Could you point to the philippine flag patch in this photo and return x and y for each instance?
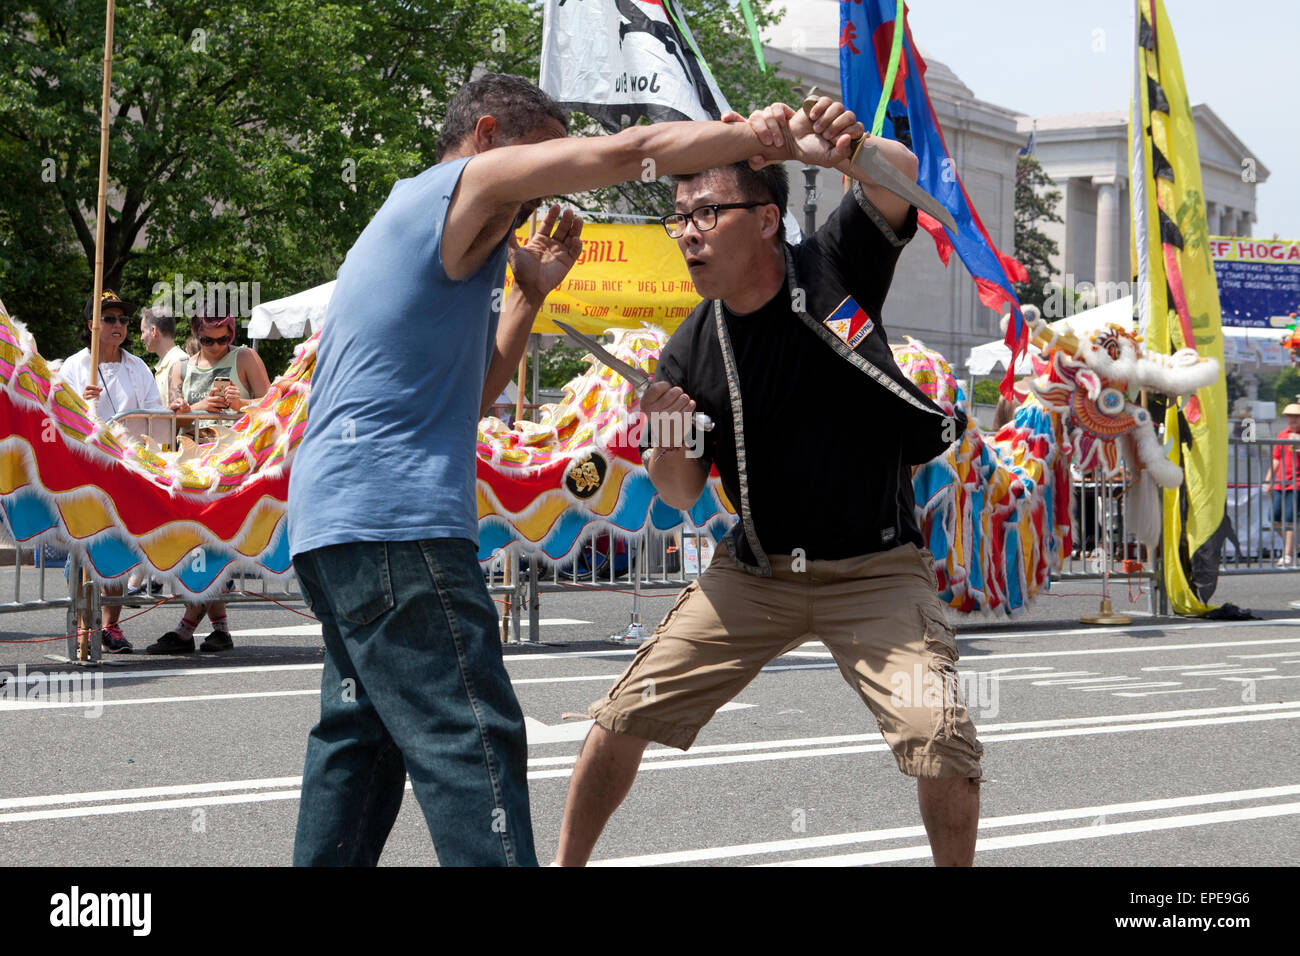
(849, 323)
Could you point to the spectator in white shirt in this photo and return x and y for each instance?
(125, 382)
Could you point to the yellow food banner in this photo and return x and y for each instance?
(626, 275)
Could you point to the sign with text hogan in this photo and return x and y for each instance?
(1259, 279)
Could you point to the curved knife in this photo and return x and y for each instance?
(866, 159)
(639, 379)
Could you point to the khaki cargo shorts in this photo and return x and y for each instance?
(880, 617)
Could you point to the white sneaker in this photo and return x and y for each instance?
(1286, 561)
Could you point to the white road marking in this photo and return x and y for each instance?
(1141, 628)
(659, 759)
(542, 733)
(686, 761)
(1065, 835)
(308, 630)
(289, 630)
(1127, 649)
(218, 670)
(990, 823)
(36, 674)
(38, 704)
(136, 793)
(1251, 680)
(1071, 681)
(1001, 676)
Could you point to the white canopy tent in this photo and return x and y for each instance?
(293, 317)
(1241, 346)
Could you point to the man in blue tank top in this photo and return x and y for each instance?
(382, 513)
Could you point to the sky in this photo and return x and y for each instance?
(1063, 56)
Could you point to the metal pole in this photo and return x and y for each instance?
(101, 208)
(810, 199)
(534, 599)
(101, 216)
(535, 343)
(518, 587)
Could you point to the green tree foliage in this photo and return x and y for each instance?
(985, 392)
(559, 364)
(252, 140)
(1036, 202)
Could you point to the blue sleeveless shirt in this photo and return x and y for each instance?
(389, 450)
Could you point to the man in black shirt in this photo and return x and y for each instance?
(816, 430)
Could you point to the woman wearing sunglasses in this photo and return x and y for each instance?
(124, 384)
(222, 377)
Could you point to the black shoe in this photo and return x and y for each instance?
(171, 643)
(218, 640)
(135, 592)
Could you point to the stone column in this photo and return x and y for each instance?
(1109, 268)
(1214, 218)
(1244, 219)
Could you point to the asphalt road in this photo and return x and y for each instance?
(1164, 742)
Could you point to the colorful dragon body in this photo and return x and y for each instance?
(994, 510)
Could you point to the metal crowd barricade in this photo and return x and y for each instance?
(1258, 542)
(608, 562)
(259, 593)
(1103, 541)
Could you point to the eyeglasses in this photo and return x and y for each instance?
(203, 339)
(705, 217)
(114, 319)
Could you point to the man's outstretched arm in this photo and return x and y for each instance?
(495, 182)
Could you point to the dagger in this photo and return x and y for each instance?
(866, 159)
(639, 380)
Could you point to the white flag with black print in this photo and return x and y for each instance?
(620, 60)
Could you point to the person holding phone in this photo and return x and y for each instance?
(223, 377)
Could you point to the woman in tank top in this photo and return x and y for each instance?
(193, 383)
(196, 391)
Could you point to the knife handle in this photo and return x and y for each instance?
(808, 103)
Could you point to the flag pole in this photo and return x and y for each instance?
(102, 204)
(100, 216)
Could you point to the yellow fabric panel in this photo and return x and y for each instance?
(13, 471)
(535, 527)
(84, 515)
(607, 498)
(259, 528)
(171, 545)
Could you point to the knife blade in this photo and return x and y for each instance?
(867, 159)
(638, 378)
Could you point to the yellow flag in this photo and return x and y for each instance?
(1177, 300)
(626, 275)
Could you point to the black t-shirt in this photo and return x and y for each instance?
(826, 469)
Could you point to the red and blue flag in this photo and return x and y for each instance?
(866, 39)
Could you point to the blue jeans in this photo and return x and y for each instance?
(1284, 510)
(413, 683)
